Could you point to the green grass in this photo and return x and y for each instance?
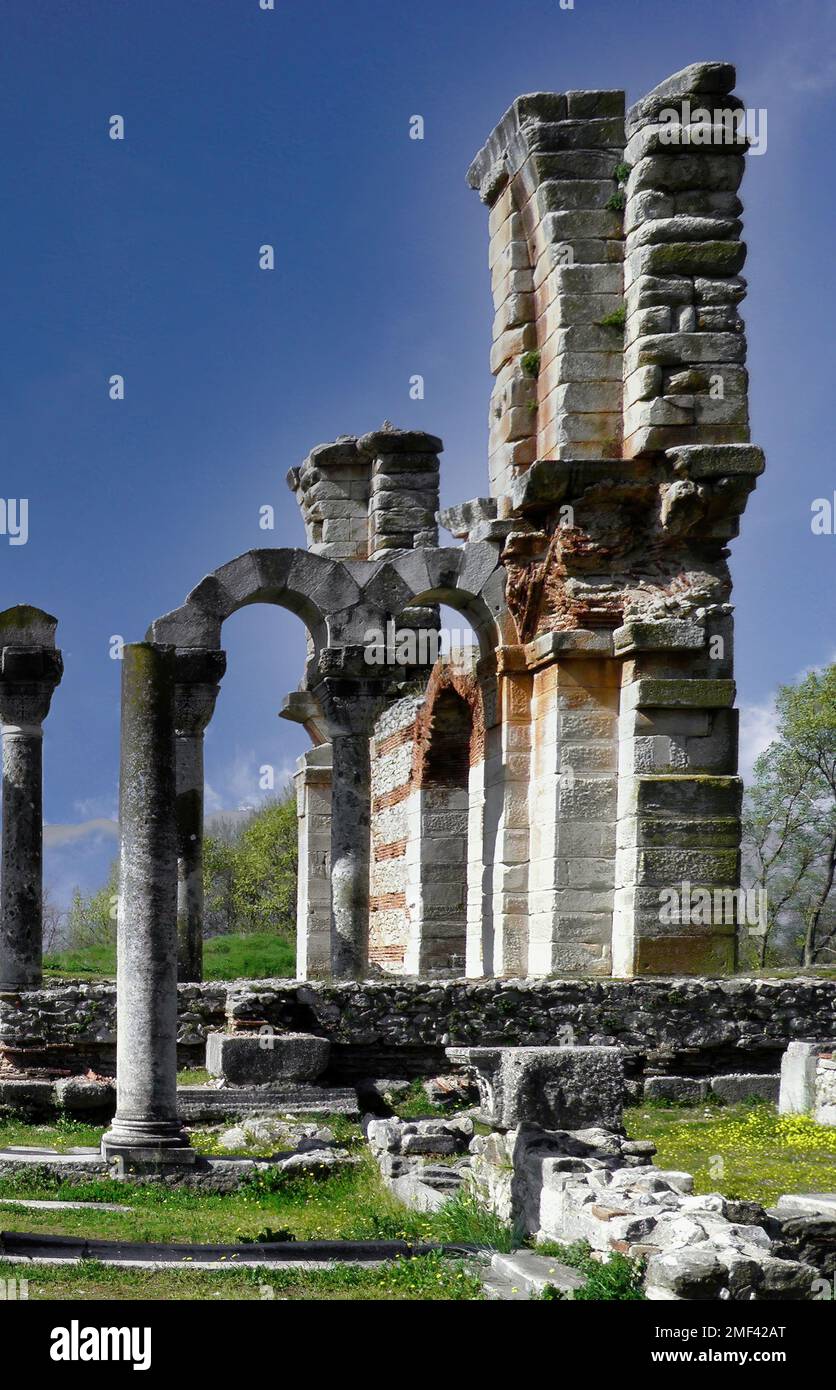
(414, 1105)
(62, 1134)
(193, 1076)
(616, 1279)
(261, 956)
(746, 1150)
(352, 1204)
(425, 1278)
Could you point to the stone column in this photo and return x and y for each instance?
(146, 1128)
(198, 673)
(506, 821)
(351, 693)
(313, 903)
(350, 855)
(30, 669)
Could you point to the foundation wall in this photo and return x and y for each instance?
(682, 1027)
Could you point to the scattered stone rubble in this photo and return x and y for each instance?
(405, 1150)
(293, 1147)
(597, 1186)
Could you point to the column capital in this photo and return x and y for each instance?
(350, 691)
(198, 672)
(28, 677)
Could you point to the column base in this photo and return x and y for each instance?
(148, 1142)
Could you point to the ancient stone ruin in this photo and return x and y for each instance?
(475, 821)
(512, 810)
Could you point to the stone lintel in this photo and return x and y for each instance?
(650, 692)
(564, 645)
(697, 461)
(656, 635)
(550, 482)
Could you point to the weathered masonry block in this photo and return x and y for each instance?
(362, 497)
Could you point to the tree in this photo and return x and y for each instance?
(266, 861)
(91, 921)
(218, 885)
(249, 872)
(779, 851)
(54, 923)
(790, 818)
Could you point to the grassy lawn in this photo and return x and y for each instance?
(260, 956)
(744, 1150)
(351, 1204)
(193, 1076)
(62, 1134)
(426, 1278)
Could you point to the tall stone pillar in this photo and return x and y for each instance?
(350, 854)
(313, 903)
(506, 822)
(198, 674)
(146, 1128)
(30, 669)
(678, 855)
(352, 694)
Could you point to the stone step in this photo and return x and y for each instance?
(196, 1103)
(523, 1269)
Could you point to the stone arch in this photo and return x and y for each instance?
(317, 589)
(468, 578)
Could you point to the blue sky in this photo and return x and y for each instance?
(291, 126)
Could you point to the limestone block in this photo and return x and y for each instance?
(647, 291)
(260, 1059)
(703, 80)
(596, 223)
(683, 1090)
(674, 173)
(797, 1092)
(745, 1085)
(556, 1087)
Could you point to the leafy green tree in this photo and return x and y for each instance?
(790, 821)
(249, 872)
(91, 920)
(266, 858)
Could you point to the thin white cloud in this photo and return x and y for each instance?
(57, 835)
(758, 728)
(98, 807)
(237, 786)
